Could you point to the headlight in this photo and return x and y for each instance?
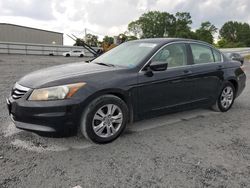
(55, 93)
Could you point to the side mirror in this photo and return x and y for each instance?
(158, 65)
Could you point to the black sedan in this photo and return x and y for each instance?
(135, 80)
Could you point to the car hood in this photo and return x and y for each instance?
(41, 77)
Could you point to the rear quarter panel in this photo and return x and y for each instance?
(234, 73)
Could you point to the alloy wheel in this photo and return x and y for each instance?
(227, 97)
(107, 120)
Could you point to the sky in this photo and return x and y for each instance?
(111, 17)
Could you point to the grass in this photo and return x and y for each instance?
(247, 58)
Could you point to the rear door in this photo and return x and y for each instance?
(207, 71)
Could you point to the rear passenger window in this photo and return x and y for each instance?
(201, 54)
(217, 56)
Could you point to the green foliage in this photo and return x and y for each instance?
(222, 43)
(206, 32)
(226, 44)
(156, 24)
(108, 40)
(162, 24)
(229, 31)
(122, 38)
(134, 28)
(234, 34)
(131, 37)
(247, 57)
(182, 25)
(91, 40)
(153, 24)
(79, 42)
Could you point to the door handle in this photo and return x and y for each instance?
(187, 72)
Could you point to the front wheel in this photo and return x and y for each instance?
(225, 99)
(104, 119)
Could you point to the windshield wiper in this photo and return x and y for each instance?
(105, 64)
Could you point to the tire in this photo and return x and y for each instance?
(107, 127)
(81, 55)
(67, 55)
(226, 98)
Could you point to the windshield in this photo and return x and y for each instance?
(126, 55)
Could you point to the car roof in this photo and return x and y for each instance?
(168, 40)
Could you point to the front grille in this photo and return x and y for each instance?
(18, 91)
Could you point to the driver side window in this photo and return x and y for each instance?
(174, 54)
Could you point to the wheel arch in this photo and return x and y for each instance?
(235, 84)
(123, 95)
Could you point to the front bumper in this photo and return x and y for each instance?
(44, 116)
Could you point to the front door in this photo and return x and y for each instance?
(169, 88)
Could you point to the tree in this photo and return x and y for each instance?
(182, 25)
(134, 28)
(244, 34)
(131, 37)
(229, 31)
(108, 40)
(235, 34)
(153, 24)
(162, 24)
(170, 25)
(206, 32)
(121, 38)
(91, 40)
(79, 42)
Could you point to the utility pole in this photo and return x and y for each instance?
(85, 32)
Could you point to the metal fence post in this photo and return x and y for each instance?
(8, 47)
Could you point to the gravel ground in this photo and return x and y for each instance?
(190, 149)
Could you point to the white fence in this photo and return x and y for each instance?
(43, 49)
(37, 49)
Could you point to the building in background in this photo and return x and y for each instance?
(22, 34)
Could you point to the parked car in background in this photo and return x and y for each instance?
(136, 80)
(235, 56)
(74, 53)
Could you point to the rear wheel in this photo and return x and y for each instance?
(104, 119)
(81, 55)
(225, 99)
(67, 55)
